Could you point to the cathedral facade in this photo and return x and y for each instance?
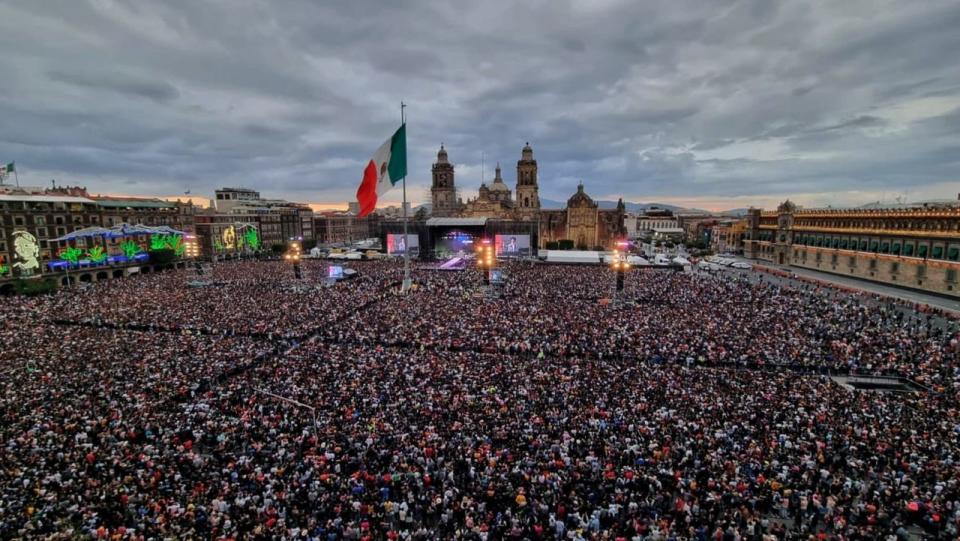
(581, 221)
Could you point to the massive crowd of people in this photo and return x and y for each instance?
(264, 407)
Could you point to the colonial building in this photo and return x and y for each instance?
(495, 201)
(443, 192)
(657, 224)
(916, 246)
(32, 219)
(727, 236)
(278, 221)
(345, 227)
(528, 187)
(583, 222)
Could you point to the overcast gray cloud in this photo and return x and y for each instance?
(712, 104)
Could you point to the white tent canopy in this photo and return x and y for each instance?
(571, 256)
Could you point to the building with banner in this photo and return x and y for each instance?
(236, 210)
(67, 234)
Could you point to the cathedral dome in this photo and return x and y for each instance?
(580, 199)
(498, 184)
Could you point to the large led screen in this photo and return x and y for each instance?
(512, 245)
(396, 245)
(455, 242)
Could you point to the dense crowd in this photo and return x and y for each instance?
(668, 317)
(263, 407)
(246, 298)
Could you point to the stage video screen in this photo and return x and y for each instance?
(396, 245)
(335, 272)
(455, 242)
(512, 245)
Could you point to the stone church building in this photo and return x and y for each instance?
(581, 221)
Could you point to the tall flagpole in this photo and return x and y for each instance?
(15, 175)
(406, 240)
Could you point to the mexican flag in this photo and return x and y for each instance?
(387, 166)
(7, 169)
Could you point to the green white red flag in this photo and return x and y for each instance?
(384, 170)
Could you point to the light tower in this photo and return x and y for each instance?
(620, 264)
(293, 255)
(486, 259)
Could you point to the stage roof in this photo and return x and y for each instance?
(461, 222)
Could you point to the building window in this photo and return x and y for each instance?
(833, 259)
(952, 275)
(873, 264)
(921, 271)
(896, 249)
(18, 220)
(953, 254)
(937, 252)
(908, 250)
(922, 251)
(894, 267)
(853, 261)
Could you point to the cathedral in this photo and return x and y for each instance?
(581, 221)
(494, 201)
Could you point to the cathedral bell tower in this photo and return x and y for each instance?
(443, 192)
(528, 194)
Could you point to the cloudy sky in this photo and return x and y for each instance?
(714, 104)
